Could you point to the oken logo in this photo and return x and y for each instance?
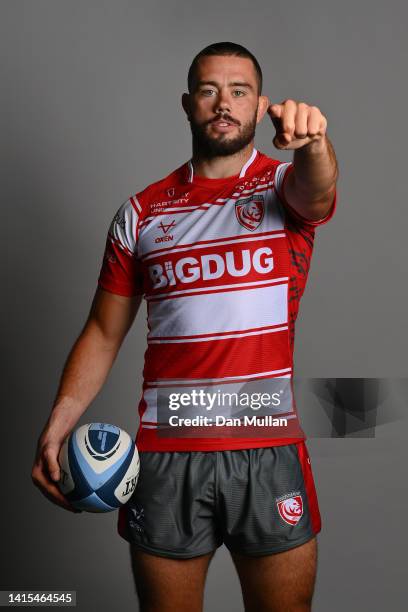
(211, 266)
(165, 228)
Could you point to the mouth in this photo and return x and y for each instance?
(222, 126)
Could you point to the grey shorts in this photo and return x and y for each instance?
(256, 501)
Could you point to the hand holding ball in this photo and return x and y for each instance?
(99, 467)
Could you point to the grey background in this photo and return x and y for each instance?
(90, 113)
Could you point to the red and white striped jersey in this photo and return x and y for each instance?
(222, 264)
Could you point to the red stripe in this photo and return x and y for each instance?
(230, 357)
(217, 291)
(213, 383)
(122, 526)
(121, 246)
(310, 487)
(169, 211)
(148, 440)
(214, 241)
(220, 334)
(135, 206)
(250, 191)
(275, 252)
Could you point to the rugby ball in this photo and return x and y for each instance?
(99, 467)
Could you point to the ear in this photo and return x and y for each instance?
(263, 105)
(185, 102)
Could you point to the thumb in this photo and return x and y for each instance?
(52, 463)
(55, 475)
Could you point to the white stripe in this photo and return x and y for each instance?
(210, 313)
(271, 281)
(123, 226)
(188, 207)
(279, 176)
(248, 163)
(182, 381)
(136, 201)
(252, 382)
(163, 211)
(252, 190)
(216, 222)
(191, 172)
(238, 335)
(238, 194)
(210, 244)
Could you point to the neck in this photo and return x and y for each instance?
(223, 166)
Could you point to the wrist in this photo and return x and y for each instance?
(62, 419)
(54, 433)
(316, 146)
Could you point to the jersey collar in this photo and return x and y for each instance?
(190, 169)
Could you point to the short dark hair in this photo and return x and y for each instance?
(224, 48)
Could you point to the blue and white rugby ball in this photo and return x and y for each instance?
(99, 467)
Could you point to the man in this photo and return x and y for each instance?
(220, 248)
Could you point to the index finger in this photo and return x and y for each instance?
(275, 110)
(276, 114)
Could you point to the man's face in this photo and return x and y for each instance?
(224, 107)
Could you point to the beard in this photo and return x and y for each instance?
(208, 146)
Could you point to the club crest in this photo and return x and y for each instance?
(291, 509)
(250, 211)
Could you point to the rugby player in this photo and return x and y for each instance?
(220, 249)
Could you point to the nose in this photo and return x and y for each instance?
(223, 103)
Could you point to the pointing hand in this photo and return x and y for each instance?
(297, 124)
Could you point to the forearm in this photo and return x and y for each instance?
(315, 170)
(84, 373)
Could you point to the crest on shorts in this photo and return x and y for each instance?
(138, 518)
(250, 211)
(291, 509)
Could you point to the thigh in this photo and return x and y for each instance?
(267, 501)
(282, 582)
(164, 584)
(171, 512)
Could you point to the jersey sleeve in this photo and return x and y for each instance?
(121, 270)
(281, 174)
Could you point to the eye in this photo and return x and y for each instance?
(239, 91)
(206, 92)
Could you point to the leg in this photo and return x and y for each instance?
(282, 582)
(271, 518)
(165, 584)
